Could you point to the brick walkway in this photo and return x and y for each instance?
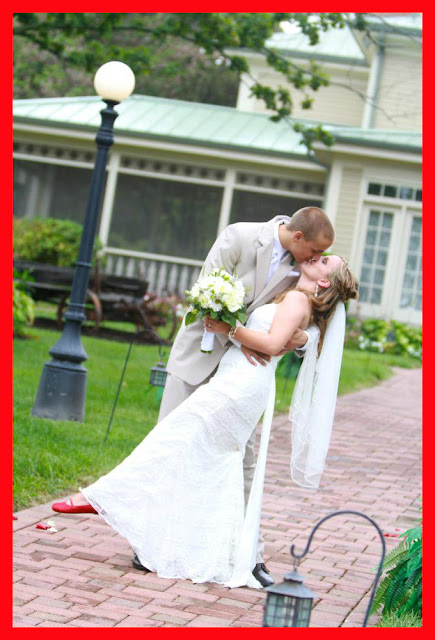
(82, 576)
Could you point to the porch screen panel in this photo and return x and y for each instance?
(25, 176)
(411, 294)
(377, 244)
(249, 206)
(47, 190)
(164, 217)
(70, 193)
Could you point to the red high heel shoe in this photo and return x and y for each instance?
(69, 507)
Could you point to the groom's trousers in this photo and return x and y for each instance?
(175, 392)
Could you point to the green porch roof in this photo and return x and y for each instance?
(388, 138)
(196, 123)
(171, 120)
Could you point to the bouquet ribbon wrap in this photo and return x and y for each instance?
(207, 341)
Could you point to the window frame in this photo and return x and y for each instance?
(403, 211)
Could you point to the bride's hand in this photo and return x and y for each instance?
(216, 326)
(298, 340)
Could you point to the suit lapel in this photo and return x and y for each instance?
(279, 281)
(264, 254)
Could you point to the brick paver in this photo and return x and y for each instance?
(82, 576)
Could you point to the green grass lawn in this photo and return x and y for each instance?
(54, 458)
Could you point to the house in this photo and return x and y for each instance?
(179, 172)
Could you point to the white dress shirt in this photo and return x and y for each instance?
(278, 252)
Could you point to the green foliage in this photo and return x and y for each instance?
(55, 458)
(288, 366)
(200, 53)
(382, 336)
(22, 310)
(48, 240)
(400, 591)
(405, 620)
(408, 339)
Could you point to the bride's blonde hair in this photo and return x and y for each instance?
(343, 286)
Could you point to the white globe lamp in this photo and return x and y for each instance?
(114, 81)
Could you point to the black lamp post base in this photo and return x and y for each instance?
(61, 393)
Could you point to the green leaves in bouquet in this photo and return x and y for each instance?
(242, 316)
(229, 319)
(191, 316)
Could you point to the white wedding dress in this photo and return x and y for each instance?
(178, 498)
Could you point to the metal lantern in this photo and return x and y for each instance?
(288, 604)
(158, 375)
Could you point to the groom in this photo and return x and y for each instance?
(265, 257)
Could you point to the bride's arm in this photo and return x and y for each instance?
(292, 313)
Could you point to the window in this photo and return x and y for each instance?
(42, 190)
(248, 206)
(390, 267)
(390, 191)
(70, 193)
(394, 191)
(411, 294)
(374, 189)
(375, 257)
(160, 216)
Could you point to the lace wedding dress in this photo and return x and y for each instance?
(179, 497)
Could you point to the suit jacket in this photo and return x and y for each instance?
(246, 249)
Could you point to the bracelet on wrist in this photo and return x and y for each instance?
(232, 331)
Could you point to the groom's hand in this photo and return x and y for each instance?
(298, 340)
(255, 356)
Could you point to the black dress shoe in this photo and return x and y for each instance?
(262, 574)
(137, 564)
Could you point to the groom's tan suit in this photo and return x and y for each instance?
(246, 249)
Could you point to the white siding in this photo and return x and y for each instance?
(394, 173)
(400, 91)
(342, 102)
(347, 211)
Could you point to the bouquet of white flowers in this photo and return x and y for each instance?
(218, 295)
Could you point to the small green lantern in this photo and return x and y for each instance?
(288, 604)
(158, 375)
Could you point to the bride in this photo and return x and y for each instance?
(178, 498)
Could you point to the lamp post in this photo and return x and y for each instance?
(289, 604)
(62, 387)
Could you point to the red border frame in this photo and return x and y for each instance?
(6, 264)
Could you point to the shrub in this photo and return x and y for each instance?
(22, 310)
(400, 591)
(382, 336)
(48, 240)
(406, 620)
(407, 339)
(288, 366)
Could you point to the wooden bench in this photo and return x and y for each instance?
(109, 297)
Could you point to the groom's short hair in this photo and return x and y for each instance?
(313, 222)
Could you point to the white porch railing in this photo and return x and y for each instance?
(166, 275)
